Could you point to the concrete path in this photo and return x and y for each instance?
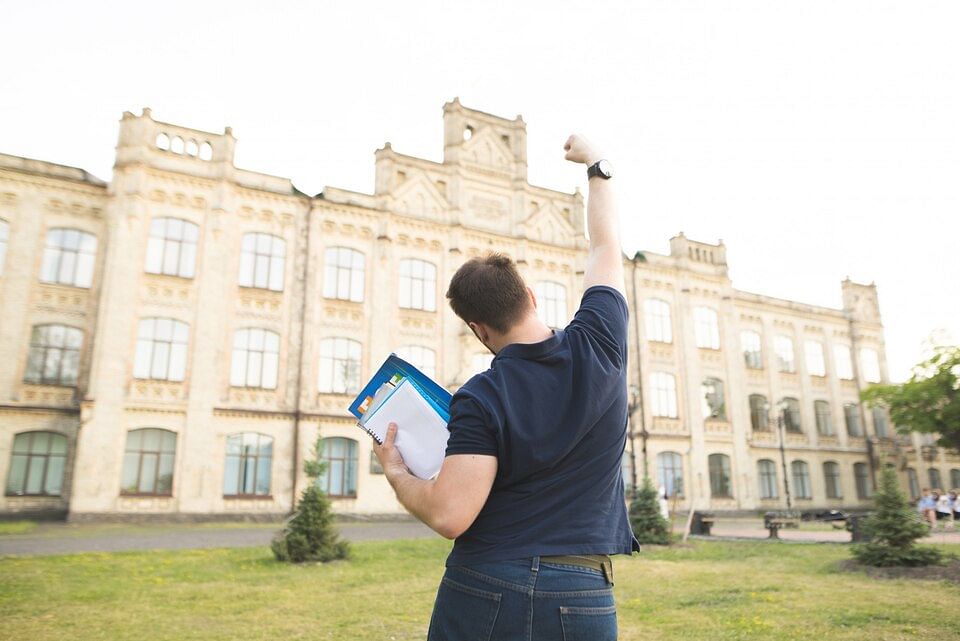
(60, 538)
(809, 532)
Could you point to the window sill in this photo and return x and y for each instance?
(263, 497)
(141, 495)
(253, 289)
(48, 283)
(32, 496)
(341, 496)
(168, 276)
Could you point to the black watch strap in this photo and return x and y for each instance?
(594, 170)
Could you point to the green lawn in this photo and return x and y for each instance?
(721, 590)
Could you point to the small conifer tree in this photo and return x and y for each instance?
(310, 535)
(648, 523)
(894, 527)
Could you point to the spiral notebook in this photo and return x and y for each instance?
(400, 393)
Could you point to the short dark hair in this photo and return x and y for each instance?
(489, 290)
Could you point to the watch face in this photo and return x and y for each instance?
(605, 168)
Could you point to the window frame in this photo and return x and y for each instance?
(706, 327)
(823, 418)
(262, 441)
(792, 417)
(870, 368)
(164, 243)
(356, 276)
(713, 403)
(411, 284)
(159, 453)
(254, 260)
(723, 475)
(759, 422)
(752, 356)
(66, 353)
(350, 377)
(832, 482)
(814, 358)
(843, 361)
(851, 415)
(934, 478)
(781, 345)
(913, 483)
(352, 447)
(767, 477)
(670, 473)
(658, 320)
(862, 481)
(266, 358)
(800, 475)
(173, 346)
(80, 257)
(879, 417)
(659, 395)
(32, 457)
(552, 308)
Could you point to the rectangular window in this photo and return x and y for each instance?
(843, 362)
(851, 416)
(752, 353)
(418, 285)
(343, 274)
(815, 362)
(656, 315)
(706, 328)
(831, 477)
(552, 303)
(783, 347)
(824, 419)
(664, 394)
(870, 365)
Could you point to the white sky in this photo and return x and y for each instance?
(819, 139)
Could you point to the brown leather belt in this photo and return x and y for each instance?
(600, 562)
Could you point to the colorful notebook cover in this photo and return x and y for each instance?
(393, 370)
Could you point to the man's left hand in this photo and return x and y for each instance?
(389, 456)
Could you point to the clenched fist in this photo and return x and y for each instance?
(579, 149)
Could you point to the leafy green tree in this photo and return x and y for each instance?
(930, 401)
(648, 524)
(310, 535)
(894, 527)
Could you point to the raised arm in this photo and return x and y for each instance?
(605, 261)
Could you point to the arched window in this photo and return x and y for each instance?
(861, 477)
(842, 362)
(955, 480)
(791, 415)
(711, 399)
(161, 349)
(248, 462)
(163, 142)
(256, 357)
(206, 151)
(752, 351)
(4, 238)
(933, 477)
(172, 247)
(192, 148)
(343, 274)
(783, 348)
(767, 473)
(418, 285)
(851, 416)
(831, 480)
(870, 365)
(148, 462)
(552, 303)
(262, 261)
(880, 422)
(801, 479)
(68, 257)
(706, 328)
(821, 410)
(423, 358)
(720, 486)
(37, 463)
(664, 387)
(54, 357)
(816, 366)
(670, 473)
(340, 477)
(176, 145)
(339, 366)
(759, 413)
(914, 483)
(656, 314)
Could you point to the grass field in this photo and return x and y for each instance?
(717, 590)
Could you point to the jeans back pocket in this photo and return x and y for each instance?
(463, 612)
(589, 624)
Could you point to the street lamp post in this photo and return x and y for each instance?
(633, 406)
(781, 411)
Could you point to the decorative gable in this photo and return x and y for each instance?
(487, 149)
(547, 225)
(419, 197)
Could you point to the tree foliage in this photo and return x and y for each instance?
(894, 527)
(648, 523)
(930, 401)
(309, 535)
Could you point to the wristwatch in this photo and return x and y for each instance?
(601, 168)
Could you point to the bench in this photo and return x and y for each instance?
(701, 524)
(775, 521)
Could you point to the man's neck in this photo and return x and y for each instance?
(530, 330)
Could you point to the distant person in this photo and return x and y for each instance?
(944, 509)
(664, 504)
(955, 503)
(531, 488)
(927, 506)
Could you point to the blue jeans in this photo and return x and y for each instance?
(524, 600)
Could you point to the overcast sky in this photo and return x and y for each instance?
(818, 139)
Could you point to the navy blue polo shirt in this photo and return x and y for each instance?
(554, 414)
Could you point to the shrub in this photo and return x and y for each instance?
(894, 527)
(648, 524)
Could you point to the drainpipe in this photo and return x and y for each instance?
(300, 365)
(638, 257)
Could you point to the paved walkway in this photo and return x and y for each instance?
(61, 538)
(809, 532)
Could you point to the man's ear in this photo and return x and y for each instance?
(480, 332)
(533, 297)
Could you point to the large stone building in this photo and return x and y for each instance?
(175, 341)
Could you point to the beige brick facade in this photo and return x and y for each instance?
(334, 325)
